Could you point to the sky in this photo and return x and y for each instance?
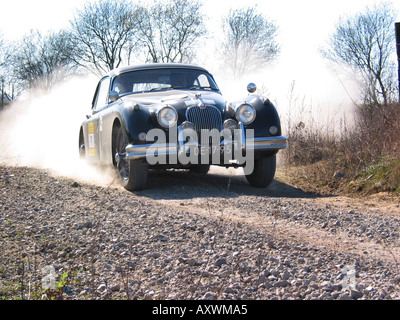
(303, 27)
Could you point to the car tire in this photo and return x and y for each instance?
(263, 173)
(132, 173)
(82, 151)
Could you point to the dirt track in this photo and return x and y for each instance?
(194, 237)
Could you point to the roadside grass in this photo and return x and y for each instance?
(354, 157)
(382, 176)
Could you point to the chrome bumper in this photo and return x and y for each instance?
(258, 144)
(268, 143)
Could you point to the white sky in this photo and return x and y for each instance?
(304, 26)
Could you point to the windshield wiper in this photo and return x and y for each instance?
(159, 88)
(166, 88)
(203, 87)
(182, 87)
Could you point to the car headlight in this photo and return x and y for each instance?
(167, 117)
(245, 113)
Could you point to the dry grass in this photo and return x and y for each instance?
(358, 157)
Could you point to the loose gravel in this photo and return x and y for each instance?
(191, 237)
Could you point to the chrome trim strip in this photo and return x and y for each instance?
(266, 143)
(258, 144)
(140, 151)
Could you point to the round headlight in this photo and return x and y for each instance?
(245, 114)
(167, 117)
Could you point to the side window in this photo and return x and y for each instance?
(101, 95)
(203, 81)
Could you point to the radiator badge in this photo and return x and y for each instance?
(201, 104)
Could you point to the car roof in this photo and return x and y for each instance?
(149, 66)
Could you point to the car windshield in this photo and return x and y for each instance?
(162, 79)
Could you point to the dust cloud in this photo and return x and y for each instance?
(42, 131)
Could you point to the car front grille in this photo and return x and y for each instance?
(208, 117)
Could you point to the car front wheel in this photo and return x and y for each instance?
(263, 173)
(132, 173)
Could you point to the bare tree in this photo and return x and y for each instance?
(2, 51)
(6, 75)
(103, 34)
(169, 29)
(41, 60)
(2, 63)
(366, 43)
(250, 41)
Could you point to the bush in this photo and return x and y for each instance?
(362, 156)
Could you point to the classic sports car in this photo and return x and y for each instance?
(174, 116)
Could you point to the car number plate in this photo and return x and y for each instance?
(210, 150)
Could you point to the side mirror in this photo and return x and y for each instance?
(113, 96)
(251, 88)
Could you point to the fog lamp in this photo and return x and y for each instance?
(187, 125)
(273, 130)
(142, 136)
(230, 124)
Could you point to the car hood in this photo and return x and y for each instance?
(179, 99)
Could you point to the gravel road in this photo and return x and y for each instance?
(190, 236)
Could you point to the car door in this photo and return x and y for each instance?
(94, 123)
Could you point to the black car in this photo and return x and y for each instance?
(174, 116)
